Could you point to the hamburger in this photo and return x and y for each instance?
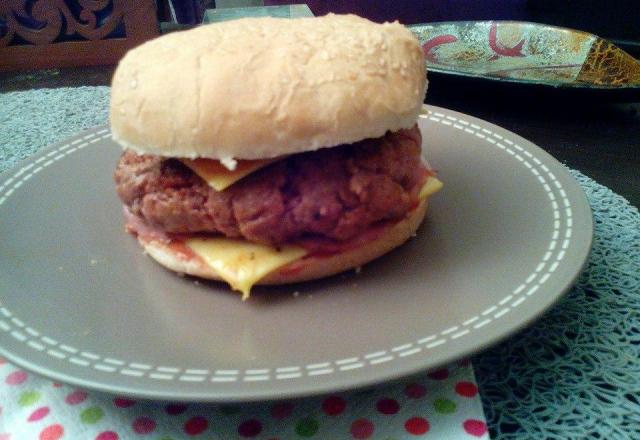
(272, 151)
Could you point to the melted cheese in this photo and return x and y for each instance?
(218, 176)
(241, 263)
(431, 186)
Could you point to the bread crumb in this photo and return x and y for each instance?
(358, 269)
(93, 262)
(296, 294)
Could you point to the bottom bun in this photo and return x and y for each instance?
(308, 268)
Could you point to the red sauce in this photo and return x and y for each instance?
(136, 226)
(182, 250)
(292, 268)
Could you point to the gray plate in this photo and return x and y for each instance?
(81, 304)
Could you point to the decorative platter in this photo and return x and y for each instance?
(527, 53)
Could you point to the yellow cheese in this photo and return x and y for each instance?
(241, 263)
(220, 177)
(432, 185)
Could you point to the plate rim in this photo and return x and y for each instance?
(340, 385)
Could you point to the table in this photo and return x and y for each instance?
(576, 372)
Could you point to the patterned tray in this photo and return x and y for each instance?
(527, 53)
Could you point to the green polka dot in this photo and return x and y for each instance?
(444, 406)
(91, 415)
(230, 410)
(28, 398)
(307, 427)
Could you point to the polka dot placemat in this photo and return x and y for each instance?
(440, 405)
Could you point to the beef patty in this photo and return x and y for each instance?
(333, 193)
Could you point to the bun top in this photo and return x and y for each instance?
(264, 87)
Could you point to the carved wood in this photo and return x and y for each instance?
(39, 45)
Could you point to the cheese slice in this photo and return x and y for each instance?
(220, 177)
(241, 263)
(432, 185)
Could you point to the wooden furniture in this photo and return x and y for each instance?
(65, 33)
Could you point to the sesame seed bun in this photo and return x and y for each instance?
(258, 88)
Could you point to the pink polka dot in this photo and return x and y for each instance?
(474, 427)
(143, 425)
(387, 406)
(439, 374)
(417, 426)
(196, 425)
(56, 384)
(76, 397)
(121, 402)
(466, 389)
(5, 436)
(16, 378)
(334, 405)
(281, 410)
(362, 429)
(250, 428)
(175, 409)
(107, 435)
(52, 432)
(2, 361)
(415, 390)
(38, 414)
